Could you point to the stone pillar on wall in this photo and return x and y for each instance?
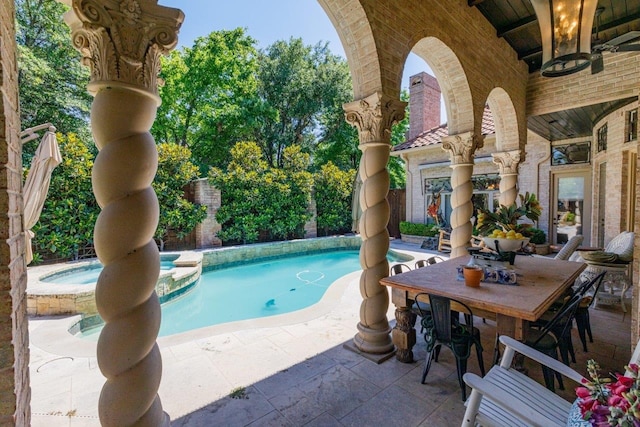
(15, 393)
(461, 149)
(373, 117)
(508, 162)
(121, 42)
(205, 194)
(311, 226)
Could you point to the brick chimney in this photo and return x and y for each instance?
(424, 104)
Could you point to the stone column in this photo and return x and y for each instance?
(508, 162)
(461, 149)
(122, 41)
(373, 117)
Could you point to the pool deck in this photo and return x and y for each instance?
(289, 370)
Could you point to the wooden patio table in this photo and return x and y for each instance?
(540, 282)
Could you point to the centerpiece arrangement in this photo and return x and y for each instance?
(603, 402)
(504, 229)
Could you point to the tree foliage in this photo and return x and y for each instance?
(399, 135)
(51, 79)
(302, 88)
(333, 195)
(70, 210)
(209, 98)
(175, 171)
(260, 200)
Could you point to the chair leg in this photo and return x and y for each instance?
(588, 326)
(479, 354)
(437, 352)
(547, 373)
(461, 366)
(582, 323)
(427, 364)
(572, 352)
(496, 350)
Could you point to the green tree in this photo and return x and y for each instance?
(70, 210)
(175, 170)
(261, 200)
(399, 132)
(51, 78)
(333, 195)
(209, 99)
(301, 87)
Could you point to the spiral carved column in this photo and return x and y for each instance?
(121, 41)
(461, 148)
(508, 162)
(373, 117)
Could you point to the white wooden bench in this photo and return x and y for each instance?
(506, 397)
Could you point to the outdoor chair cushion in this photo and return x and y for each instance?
(602, 257)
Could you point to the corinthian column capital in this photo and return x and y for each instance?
(507, 162)
(121, 41)
(462, 147)
(373, 116)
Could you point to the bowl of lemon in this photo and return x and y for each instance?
(508, 241)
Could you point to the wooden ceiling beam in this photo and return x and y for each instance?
(516, 25)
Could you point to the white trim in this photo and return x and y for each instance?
(477, 160)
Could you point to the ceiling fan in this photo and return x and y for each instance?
(617, 44)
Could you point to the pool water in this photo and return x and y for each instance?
(254, 290)
(257, 290)
(89, 275)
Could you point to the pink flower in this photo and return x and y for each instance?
(583, 392)
(625, 381)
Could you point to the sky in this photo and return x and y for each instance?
(268, 21)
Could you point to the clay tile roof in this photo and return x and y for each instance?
(435, 135)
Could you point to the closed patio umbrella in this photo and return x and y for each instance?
(356, 210)
(36, 186)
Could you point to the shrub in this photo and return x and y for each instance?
(538, 236)
(416, 229)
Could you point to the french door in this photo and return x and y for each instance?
(571, 207)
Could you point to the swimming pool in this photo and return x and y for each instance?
(255, 290)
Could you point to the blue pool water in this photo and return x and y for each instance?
(257, 290)
(89, 275)
(254, 290)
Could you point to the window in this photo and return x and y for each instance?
(571, 154)
(632, 125)
(486, 192)
(602, 138)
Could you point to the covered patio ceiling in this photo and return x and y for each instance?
(515, 21)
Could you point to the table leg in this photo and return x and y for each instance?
(403, 334)
(515, 328)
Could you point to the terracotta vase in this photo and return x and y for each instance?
(472, 276)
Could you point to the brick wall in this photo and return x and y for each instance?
(424, 104)
(14, 334)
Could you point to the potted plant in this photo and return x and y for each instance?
(506, 224)
(539, 240)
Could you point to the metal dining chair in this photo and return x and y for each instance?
(398, 268)
(429, 261)
(442, 326)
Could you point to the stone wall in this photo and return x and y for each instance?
(205, 194)
(14, 333)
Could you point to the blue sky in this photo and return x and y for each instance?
(268, 21)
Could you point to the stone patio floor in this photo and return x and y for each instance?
(287, 372)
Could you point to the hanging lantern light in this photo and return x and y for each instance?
(565, 26)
